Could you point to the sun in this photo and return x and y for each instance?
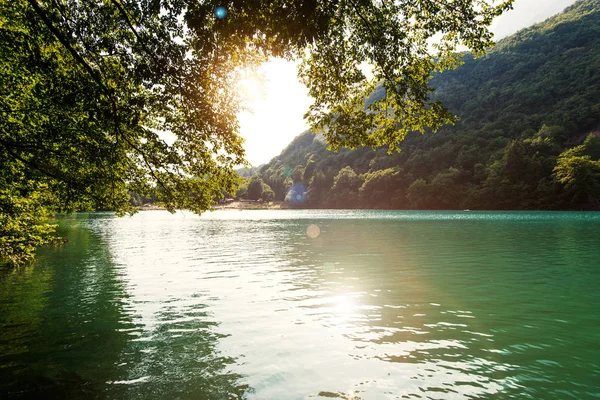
(274, 105)
(251, 88)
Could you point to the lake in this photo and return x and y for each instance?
(286, 304)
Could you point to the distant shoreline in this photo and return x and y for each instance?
(232, 205)
(280, 205)
(251, 205)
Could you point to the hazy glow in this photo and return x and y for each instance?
(279, 100)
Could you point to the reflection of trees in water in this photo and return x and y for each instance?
(49, 324)
(66, 332)
(70, 329)
(22, 304)
(179, 358)
(173, 342)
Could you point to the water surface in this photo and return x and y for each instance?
(245, 304)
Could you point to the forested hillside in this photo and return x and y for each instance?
(527, 136)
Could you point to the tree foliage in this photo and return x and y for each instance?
(259, 190)
(383, 188)
(578, 169)
(344, 192)
(397, 39)
(23, 223)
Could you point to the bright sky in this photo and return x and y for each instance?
(278, 105)
(279, 100)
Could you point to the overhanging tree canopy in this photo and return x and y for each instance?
(89, 87)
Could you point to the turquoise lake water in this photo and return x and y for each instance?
(308, 305)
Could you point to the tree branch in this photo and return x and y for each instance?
(63, 40)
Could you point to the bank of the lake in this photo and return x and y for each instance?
(308, 304)
(252, 205)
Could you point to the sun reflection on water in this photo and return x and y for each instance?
(343, 307)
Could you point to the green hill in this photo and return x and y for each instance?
(526, 110)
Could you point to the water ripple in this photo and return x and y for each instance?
(438, 305)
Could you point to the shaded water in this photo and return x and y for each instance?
(438, 305)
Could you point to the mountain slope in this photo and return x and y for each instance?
(522, 107)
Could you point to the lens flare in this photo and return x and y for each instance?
(297, 194)
(220, 12)
(313, 231)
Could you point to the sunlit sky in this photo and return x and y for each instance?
(279, 100)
